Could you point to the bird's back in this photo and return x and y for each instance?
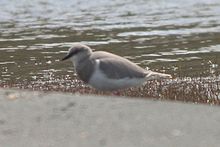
(117, 67)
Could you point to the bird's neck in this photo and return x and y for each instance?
(79, 60)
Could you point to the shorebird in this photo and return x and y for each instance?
(106, 71)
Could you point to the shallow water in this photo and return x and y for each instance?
(179, 37)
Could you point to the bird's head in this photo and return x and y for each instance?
(77, 53)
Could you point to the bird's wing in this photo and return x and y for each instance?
(116, 68)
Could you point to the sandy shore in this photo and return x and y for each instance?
(36, 119)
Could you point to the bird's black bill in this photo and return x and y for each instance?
(66, 57)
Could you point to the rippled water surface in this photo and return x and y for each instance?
(180, 37)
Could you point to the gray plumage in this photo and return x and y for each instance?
(85, 70)
(111, 69)
(116, 67)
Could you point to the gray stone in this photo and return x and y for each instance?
(34, 119)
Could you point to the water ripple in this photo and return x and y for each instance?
(179, 36)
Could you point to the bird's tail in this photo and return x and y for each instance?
(150, 75)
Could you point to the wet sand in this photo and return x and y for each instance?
(193, 90)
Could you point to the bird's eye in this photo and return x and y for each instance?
(74, 52)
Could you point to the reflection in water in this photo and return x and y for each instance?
(179, 37)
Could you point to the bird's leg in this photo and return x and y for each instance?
(116, 93)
